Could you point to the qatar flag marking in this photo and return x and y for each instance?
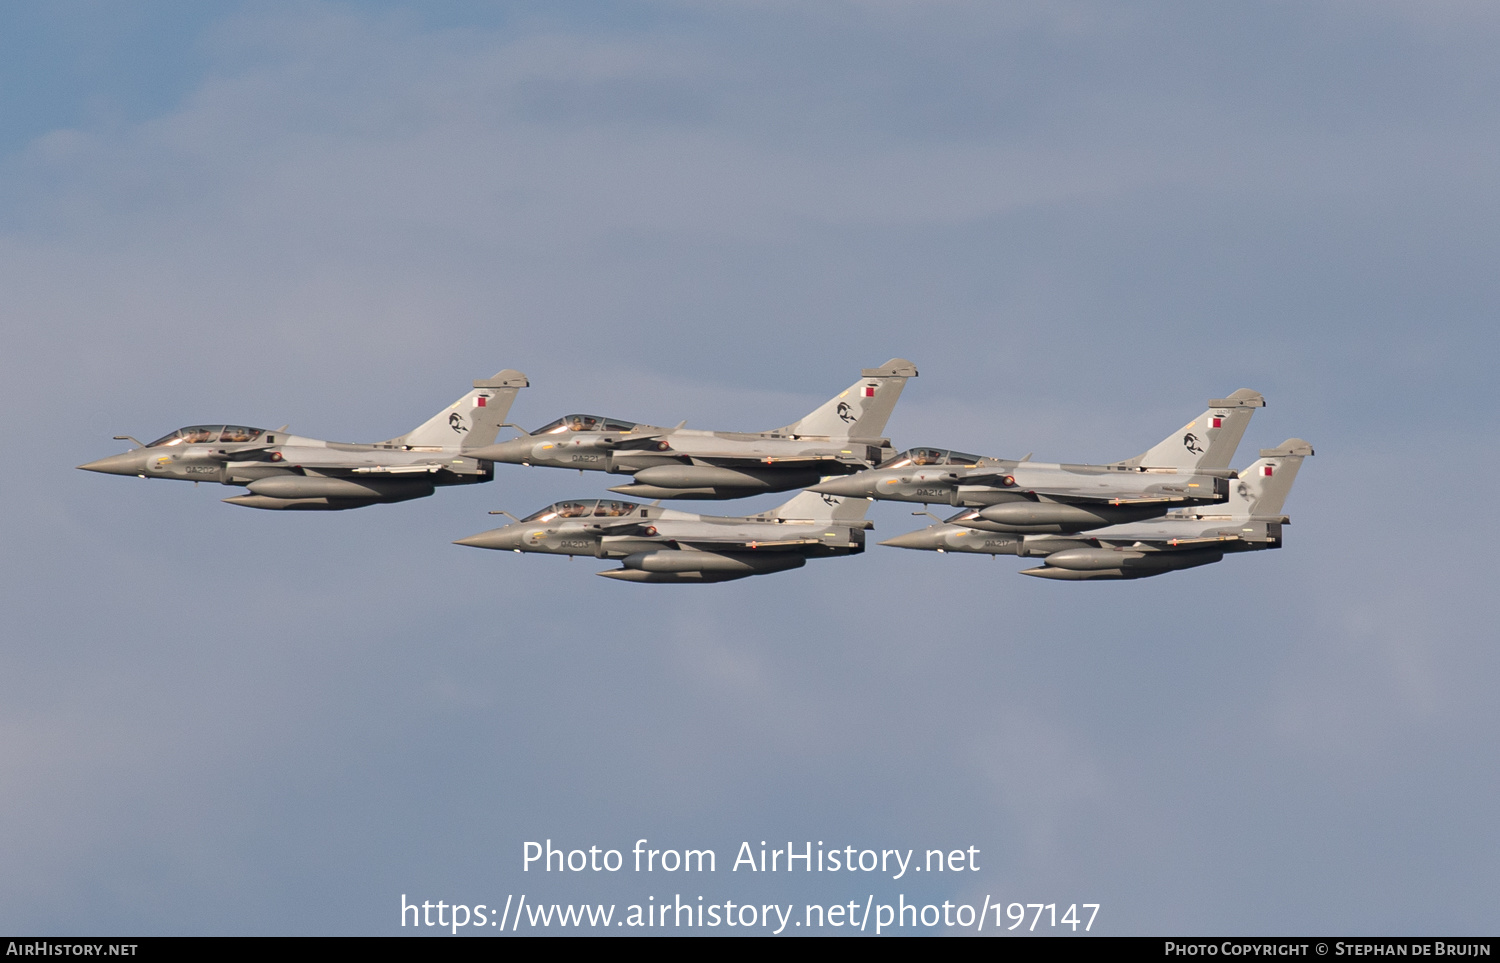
(869, 391)
(1268, 470)
(479, 400)
(1216, 422)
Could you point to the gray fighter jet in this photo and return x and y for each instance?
(1249, 520)
(841, 436)
(662, 545)
(1190, 466)
(286, 471)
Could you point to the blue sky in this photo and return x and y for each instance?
(1080, 221)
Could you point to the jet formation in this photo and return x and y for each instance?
(1177, 505)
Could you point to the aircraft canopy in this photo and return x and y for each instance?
(584, 423)
(600, 508)
(922, 457)
(208, 435)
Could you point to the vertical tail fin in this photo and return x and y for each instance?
(1206, 442)
(822, 508)
(862, 410)
(473, 420)
(1262, 488)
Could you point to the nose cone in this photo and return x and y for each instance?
(130, 463)
(930, 539)
(512, 452)
(499, 538)
(854, 486)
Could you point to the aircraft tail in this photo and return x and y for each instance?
(473, 420)
(1206, 442)
(1262, 488)
(862, 410)
(823, 508)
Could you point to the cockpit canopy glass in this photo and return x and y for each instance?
(207, 435)
(584, 423)
(602, 508)
(923, 457)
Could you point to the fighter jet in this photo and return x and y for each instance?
(843, 435)
(1249, 520)
(681, 548)
(1188, 467)
(284, 471)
